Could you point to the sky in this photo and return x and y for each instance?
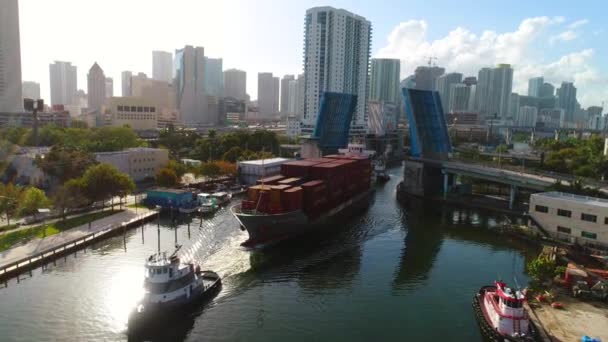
(562, 40)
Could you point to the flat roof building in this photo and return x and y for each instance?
(572, 218)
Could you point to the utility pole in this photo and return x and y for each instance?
(34, 106)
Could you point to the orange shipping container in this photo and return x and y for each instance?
(291, 181)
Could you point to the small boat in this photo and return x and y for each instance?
(380, 171)
(171, 285)
(221, 198)
(501, 315)
(207, 203)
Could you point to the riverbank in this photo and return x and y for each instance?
(42, 249)
(576, 319)
(24, 234)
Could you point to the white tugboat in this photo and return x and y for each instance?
(501, 314)
(171, 285)
(380, 170)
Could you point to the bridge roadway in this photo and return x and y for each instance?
(512, 178)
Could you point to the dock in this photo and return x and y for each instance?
(38, 252)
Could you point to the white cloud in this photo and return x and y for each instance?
(465, 51)
(564, 36)
(578, 24)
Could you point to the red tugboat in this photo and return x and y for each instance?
(501, 315)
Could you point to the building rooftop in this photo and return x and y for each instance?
(128, 150)
(265, 161)
(168, 190)
(599, 202)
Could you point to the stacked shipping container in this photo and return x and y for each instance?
(312, 185)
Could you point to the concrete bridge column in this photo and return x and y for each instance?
(532, 138)
(512, 196)
(445, 184)
(557, 135)
(509, 136)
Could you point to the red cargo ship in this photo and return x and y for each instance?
(310, 194)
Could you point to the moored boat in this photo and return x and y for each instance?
(171, 285)
(501, 314)
(207, 203)
(221, 197)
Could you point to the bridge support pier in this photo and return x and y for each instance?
(445, 185)
(512, 194)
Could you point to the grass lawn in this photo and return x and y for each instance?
(8, 227)
(8, 240)
(139, 205)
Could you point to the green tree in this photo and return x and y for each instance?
(103, 181)
(65, 163)
(166, 177)
(69, 196)
(541, 268)
(178, 168)
(233, 154)
(32, 200)
(79, 124)
(10, 197)
(210, 170)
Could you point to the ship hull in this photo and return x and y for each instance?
(269, 229)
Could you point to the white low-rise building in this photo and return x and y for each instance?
(251, 170)
(140, 163)
(572, 218)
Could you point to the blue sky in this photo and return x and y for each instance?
(267, 35)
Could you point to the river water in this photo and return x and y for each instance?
(392, 273)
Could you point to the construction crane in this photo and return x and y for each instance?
(432, 60)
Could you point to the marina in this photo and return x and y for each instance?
(386, 267)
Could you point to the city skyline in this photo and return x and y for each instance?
(482, 42)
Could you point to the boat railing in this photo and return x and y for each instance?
(238, 209)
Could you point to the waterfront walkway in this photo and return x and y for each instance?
(39, 247)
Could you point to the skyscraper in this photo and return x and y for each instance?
(527, 116)
(336, 59)
(514, 105)
(301, 83)
(235, 84)
(566, 99)
(162, 66)
(189, 85)
(385, 80)
(444, 83)
(63, 83)
(276, 96)
(426, 77)
(285, 81)
(213, 79)
(546, 90)
(292, 97)
(493, 91)
(459, 98)
(30, 90)
(126, 83)
(266, 95)
(96, 87)
(10, 57)
(109, 87)
(534, 86)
